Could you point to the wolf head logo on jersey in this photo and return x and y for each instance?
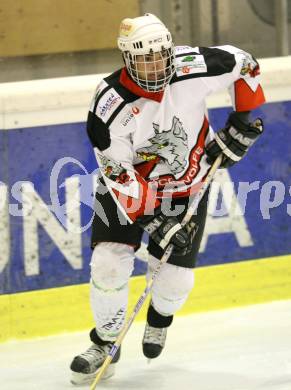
(114, 171)
(170, 145)
(110, 168)
(249, 66)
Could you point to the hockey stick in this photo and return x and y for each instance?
(192, 208)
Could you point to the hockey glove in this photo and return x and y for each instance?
(164, 230)
(234, 140)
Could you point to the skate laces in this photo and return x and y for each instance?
(155, 335)
(95, 352)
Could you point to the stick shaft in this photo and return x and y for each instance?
(192, 208)
(130, 320)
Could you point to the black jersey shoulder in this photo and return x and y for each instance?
(113, 81)
(113, 84)
(217, 61)
(98, 132)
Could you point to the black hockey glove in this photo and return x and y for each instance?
(164, 230)
(234, 140)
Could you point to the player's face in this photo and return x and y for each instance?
(151, 67)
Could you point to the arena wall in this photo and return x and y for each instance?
(50, 26)
(47, 181)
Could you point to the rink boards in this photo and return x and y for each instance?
(47, 178)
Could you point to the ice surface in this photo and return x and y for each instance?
(240, 349)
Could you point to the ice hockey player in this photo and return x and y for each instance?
(149, 128)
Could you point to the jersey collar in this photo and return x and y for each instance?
(129, 84)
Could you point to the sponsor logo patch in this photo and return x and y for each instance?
(129, 115)
(188, 59)
(125, 29)
(98, 90)
(191, 64)
(108, 104)
(179, 49)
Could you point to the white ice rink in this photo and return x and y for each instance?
(239, 349)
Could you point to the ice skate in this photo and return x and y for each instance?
(85, 366)
(153, 341)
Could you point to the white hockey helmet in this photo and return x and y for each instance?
(147, 49)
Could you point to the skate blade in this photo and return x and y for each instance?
(79, 379)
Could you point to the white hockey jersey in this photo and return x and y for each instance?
(151, 145)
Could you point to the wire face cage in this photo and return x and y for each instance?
(152, 72)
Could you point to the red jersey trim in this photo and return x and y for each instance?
(129, 84)
(194, 189)
(245, 98)
(135, 208)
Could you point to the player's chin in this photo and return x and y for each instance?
(156, 77)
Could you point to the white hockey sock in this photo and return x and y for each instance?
(171, 287)
(111, 267)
